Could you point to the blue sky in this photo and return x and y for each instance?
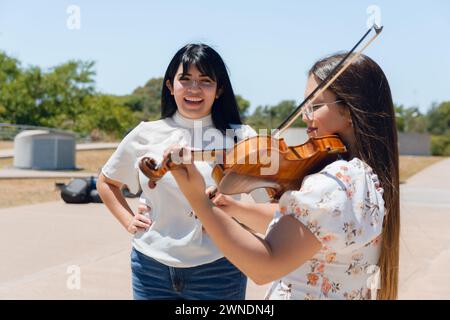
(268, 46)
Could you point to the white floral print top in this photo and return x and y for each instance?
(343, 207)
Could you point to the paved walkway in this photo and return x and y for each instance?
(43, 245)
(40, 244)
(425, 234)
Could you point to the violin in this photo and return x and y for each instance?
(258, 162)
(267, 161)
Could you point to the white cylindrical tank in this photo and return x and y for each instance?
(44, 150)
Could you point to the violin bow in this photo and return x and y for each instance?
(329, 79)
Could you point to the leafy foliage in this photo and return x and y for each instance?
(270, 117)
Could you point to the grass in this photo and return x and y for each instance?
(5, 162)
(6, 145)
(410, 165)
(86, 160)
(15, 192)
(92, 161)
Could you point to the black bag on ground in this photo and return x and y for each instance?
(76, 191)
(84, 190)
(95, 197)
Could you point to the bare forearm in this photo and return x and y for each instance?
(288, 245)
(244, 249)
(114, 200)
(257, 216)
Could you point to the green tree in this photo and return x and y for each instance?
(243, 106)
(67, 87)
(11, 83)
(270, 117)
(439, 118)
(147, 99)
(440, 145)
(105, 117)
(54, 98)
(400, 117)
(9, 70)
(439, 126)
(410, 119)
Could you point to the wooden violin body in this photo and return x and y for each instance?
(278, 167)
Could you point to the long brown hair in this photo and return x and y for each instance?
(365, 90)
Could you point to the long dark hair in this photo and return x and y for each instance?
(365, 90)
(225, 109)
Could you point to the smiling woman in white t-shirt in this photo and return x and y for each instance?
(172, 256)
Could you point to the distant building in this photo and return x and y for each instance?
(414, 144)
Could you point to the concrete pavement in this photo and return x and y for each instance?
(40, 243)
(425, 234)
(42, 247)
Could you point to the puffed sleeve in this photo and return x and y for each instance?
(342, 206)
(122, 165)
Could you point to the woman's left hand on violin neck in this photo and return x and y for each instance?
(189, 179)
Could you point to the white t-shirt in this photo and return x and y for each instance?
(175, 237)
(343, 207)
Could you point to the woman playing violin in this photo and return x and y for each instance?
(337, 237)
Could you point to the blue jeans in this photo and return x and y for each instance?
(218, 280)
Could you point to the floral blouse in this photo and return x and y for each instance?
(343, 207)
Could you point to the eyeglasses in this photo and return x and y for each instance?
(309, 108)
(204, 84)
